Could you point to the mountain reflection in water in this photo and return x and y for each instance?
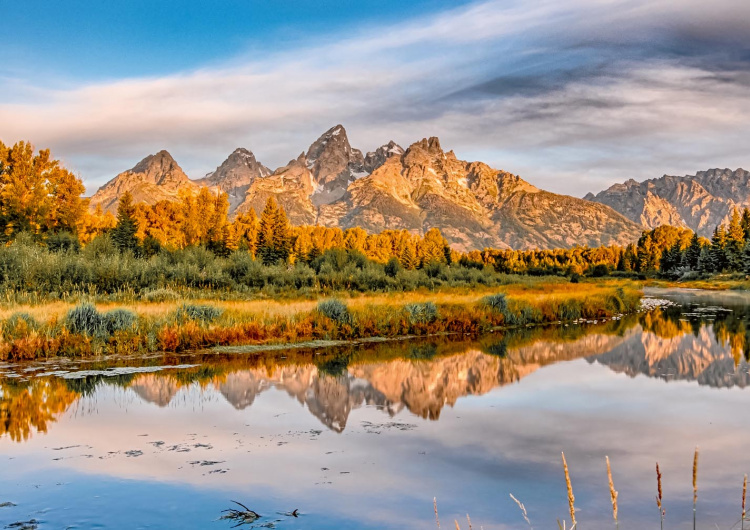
(707, 345)
(467, 421)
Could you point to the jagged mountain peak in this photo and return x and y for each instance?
(375, 159)
(699, 202)
(235, 175)
(430, 145)
(156, 177)
(161, 162)
(334, 164)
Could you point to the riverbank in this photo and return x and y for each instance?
(718, 282)
(86, 329)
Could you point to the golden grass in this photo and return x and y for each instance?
(571, 497)
(535, 294)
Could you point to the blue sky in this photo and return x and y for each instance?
(573, 96)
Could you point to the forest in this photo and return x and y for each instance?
(55, 244)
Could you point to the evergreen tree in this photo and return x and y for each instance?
(274, 238)
(746, 258)
(745, 223)
(718, 250)
(693, 253)
(123, 234)
(735, 242)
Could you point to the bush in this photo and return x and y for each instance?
(424, 313)
(85, 319)
(496, 302)
(336, 310)
(19, 325)
(599, 270)
(392, 267)
(160, 295)
(118, 320)
(201, 313)
(63, 242)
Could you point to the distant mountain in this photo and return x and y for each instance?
(235, 175)
(699, 202)
(155, 178)
(333, 184)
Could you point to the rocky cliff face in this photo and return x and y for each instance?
(333, 184)
(235, 175)
(155, 178)
(699, 202)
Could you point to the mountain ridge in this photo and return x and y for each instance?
(335, 185)
(699, 202)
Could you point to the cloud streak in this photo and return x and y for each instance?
(573, 97)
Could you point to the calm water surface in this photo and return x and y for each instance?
(365, 436)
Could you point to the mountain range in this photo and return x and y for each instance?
(333, 184)
(699, 202)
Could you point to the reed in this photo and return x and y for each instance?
(437, 519)
(612, 493)
(659, 495)
(523, 510)
(744, 495)
(695, 485)
(571, 497)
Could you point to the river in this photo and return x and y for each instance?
(365, 436)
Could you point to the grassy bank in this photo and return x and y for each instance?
(717, 282)
(84, 329)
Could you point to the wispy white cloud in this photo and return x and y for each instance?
(571, 95)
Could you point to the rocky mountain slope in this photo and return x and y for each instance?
(155, 178)
(334, 184)
(699, 202)
(235, 175)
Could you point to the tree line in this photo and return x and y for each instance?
(40, 197)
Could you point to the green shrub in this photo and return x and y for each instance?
(85, 319)
(201, 313)
(160, 295)
(118, 320)
(422, 313)
(19, 325)
(392, 267)
(496, 302)
(336, 310)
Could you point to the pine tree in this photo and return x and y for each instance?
(746, 223)
(718, 252)
(274, 238)
(123, 234)
(735, 242)
(746, 258)
(693, 253)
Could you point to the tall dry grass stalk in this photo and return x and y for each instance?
(612, 493)
(437, 519)
(744, 495)
(659, 495)
(457, 527)
(571, 497)
(523, 510)
(695, 484)
(469, 520)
